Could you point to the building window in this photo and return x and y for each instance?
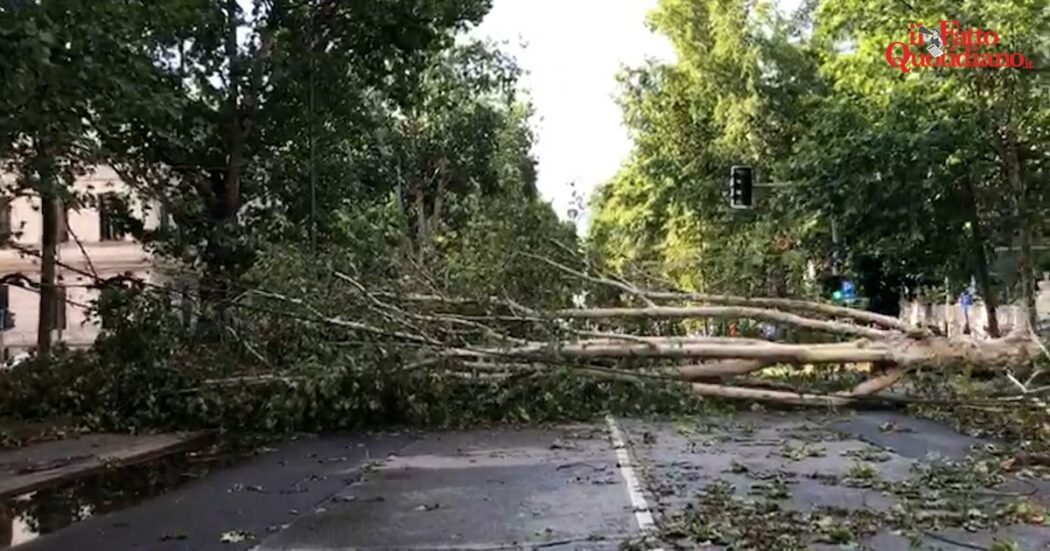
(164, 215)
(59, 308)
(7, 320)
(109, 208)
(5, 220)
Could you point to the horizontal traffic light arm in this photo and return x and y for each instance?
(776, 184)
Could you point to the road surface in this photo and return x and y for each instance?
(587, 486)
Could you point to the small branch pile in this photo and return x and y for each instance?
(497, 337)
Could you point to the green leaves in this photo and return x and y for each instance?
(898, 165)
(738, 95)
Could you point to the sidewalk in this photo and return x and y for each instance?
(46, 464)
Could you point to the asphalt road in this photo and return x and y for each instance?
(574, 487)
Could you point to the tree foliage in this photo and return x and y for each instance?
(912, 170)
(290, 146)
(332, 170)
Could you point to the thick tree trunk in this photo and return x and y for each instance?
(225, 182)
(421, 220)
(1027, 267)
(439, 192)
(1015, 176)
(50, 208)
(671, 348)
(899, 351)
(230, 198)
(719, 370)
(980, 257)
(781, 287)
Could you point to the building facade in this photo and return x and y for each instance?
(91, 246)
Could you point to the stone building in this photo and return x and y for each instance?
(90, 245)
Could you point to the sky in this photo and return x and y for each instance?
(572, 52)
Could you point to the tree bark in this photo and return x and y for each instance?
(778, 396)
(879, 383)
(225, 182)
(439, 193)
(846, 352)
(1017, 185)
(980, 257)
(230, 198)
(611, 353)
(880, 320)
(50, 211)
(719, 370)
(421, 220)
(737, 312)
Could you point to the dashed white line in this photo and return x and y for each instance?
(642, 514)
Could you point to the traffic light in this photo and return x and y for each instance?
(741, 182)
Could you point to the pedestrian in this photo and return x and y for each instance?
(966, 299)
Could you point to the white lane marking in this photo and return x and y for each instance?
(642, 514)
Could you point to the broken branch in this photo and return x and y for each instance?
(682, 312)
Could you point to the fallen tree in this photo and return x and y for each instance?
(642, 337)
(329, 346)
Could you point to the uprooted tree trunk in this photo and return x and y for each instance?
(710, 360)
(500, 335)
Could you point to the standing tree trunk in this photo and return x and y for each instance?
(421, 219)
(439, 192)
(226, 182)
(1020, 190)
(980, 258)
(230, 198)
(884, 297)
(49, 207)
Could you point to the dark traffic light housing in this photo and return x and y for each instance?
(741, 187)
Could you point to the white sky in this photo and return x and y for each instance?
(573, 51)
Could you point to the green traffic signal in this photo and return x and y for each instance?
(837, 295)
